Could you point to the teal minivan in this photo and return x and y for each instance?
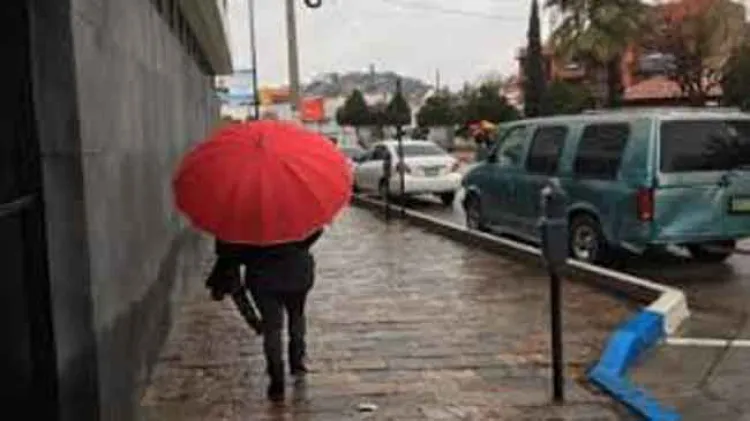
(635, 179)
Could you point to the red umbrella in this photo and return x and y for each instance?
(262, 183)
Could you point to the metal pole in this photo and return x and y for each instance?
(402, 165)
(557, 347)
(293, 53)
(554, 230)
(402, 182)
(254, 58)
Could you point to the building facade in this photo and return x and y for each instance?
(102, 98)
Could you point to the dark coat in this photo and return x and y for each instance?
(288, 267)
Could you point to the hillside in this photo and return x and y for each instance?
(337, 84)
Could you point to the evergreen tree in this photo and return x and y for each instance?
(535, 80)
(398, 111)
(355, 112)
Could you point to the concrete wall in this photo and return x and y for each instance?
(119, 100)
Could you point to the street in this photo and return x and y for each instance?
(722, 290)
(417, 325)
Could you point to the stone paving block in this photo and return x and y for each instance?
(415, 324)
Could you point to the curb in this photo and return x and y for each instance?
(667, 307)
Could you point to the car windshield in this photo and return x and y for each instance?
(705, 145)
(422, 149)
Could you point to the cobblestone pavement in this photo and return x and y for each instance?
(422, 327)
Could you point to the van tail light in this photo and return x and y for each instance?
(645, 204)
(402, 168)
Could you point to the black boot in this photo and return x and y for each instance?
(276, 391)
(299, 369)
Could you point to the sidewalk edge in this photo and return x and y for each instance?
(666, 311)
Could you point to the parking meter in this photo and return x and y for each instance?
(554, 224)
(554, 229)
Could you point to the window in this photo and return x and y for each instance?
(545, 151)
(705, 145)
(600, 150)
(510, 151)
(379, 154)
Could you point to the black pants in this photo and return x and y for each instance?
(272, 306)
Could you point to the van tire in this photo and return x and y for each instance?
(587, 241)
(715, 252)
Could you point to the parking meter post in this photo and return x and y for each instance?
(554, 230)
(387, 165)
(402, 169)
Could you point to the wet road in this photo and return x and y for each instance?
(720, 289)
(424, 328)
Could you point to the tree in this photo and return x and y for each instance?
(485, 103)
(568, 98)
(355, 112)
(736, 81)
(439, 109)
(398, 111)
(535, 81)
(599, 33)
(698, 36)
(379, 119)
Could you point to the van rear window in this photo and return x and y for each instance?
(704, 145)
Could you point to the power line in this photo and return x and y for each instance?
(448, 11)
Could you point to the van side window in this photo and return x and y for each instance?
(510, 150)
(546, 148)
(600, 150)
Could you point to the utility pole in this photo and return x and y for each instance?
(437, 80)
(254, 58)
(293, 53)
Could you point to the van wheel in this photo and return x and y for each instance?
(587, 242)
(473, 211)
(713, 252)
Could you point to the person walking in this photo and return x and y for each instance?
(279, 278)
(265, 190)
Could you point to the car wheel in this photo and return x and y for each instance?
(587, 242)
(448, 198)
(713, 252)
(473, 211)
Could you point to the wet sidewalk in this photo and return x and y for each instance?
(419, 326)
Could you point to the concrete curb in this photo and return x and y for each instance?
(667, 307)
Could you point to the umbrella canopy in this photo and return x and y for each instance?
(262, 183)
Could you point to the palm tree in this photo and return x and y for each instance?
(599, 32)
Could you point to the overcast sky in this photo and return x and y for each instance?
(463, 39)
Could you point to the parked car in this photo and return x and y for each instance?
(635, 179)
(427, 169)
(353, 153)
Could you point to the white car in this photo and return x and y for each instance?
(427, 169)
